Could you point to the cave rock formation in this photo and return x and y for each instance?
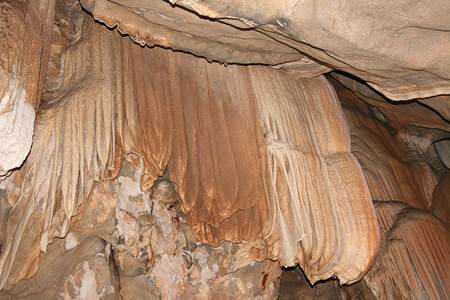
(211, 149)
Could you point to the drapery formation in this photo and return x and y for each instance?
(25, 47)
(412, 261)
(254, 153)
(315, 182)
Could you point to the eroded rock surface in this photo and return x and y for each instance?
(24, 52)
(414, 260)
(228, 136)
(370, 40)
(157, 174)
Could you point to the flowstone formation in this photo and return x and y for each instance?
(260, 160)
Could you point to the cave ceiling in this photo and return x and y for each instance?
(400, 48)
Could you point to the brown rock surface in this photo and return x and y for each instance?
(25, 41)
(441, 199)
(394, 169)
(225, 142)
(372, 41)
(160, 174)
(413, 261)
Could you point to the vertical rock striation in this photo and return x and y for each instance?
(256, 156)
(413, 261)
(24, 52)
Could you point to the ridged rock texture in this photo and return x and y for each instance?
(233, 167)
(24, 52)
(414, 260)
(399, 161)
(235, 152)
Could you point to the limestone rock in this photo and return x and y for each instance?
(235, 152)
(362, 38)
(443, 150)
(81, 273)
(441, 203)
(198, 151)
(157, 254)
(24, 52)
(413, 261)
(393, 169)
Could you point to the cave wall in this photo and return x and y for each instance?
(156, 173)
(25, 48)
(402, 174)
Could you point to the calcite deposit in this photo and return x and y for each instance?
(25, 38)
(185, 149)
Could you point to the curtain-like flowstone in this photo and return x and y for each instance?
(321, 208)
(393, 171)
(26, 28)
(73, 146)
(413, 262)
(255, 155)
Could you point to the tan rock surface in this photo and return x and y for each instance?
(25, 41)
(372, 41)
(161, 174)
(413, 261)
(234, 151)
(82, 273)
(393, 169)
